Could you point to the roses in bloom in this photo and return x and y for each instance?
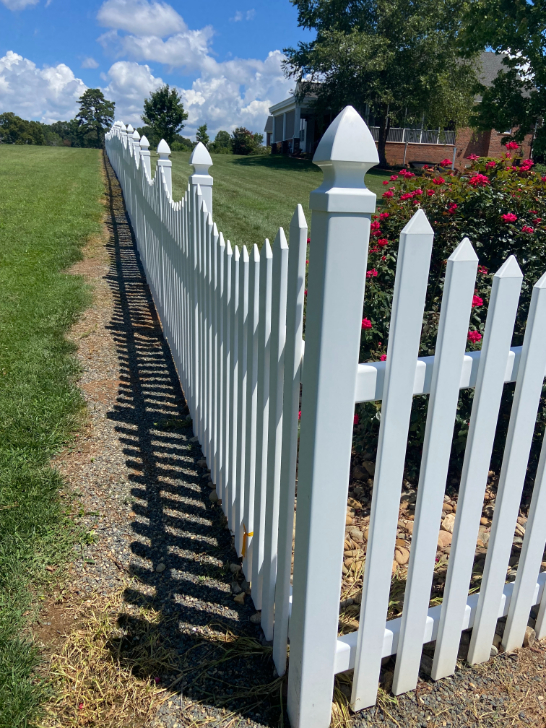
(473, 157)
(438, 180)
(478, 180)
(476, 301)
(445, 162)
(371, 273)
(527, 229)
(366, 323)
(512, 145)
(509, 217)
(474, 336)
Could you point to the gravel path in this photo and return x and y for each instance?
(154, 534)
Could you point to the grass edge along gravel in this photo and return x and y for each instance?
(50, 206)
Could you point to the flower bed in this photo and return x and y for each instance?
(501, 208)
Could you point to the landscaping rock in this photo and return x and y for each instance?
(240, 598)
(448, 523)
(401, 556)
(444, 539)
(213, 496)
(160, 568)
(256, 618)
(530, 637)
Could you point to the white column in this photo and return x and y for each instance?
(165, 164)
(145, 156)
(297, 121)
(283, 127)
(201, 161)
(341, 211)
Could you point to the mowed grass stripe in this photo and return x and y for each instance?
(50, 204)
(255, 195)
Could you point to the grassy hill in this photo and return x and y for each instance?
(255, 195)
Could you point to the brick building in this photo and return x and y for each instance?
(294, 126)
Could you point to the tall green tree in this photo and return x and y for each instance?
(95, 117)
(244, 141)
(517, 98)
(395, 59)
(221, 143)
(202, 136)
(164, 113)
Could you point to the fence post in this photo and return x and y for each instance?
(145, 156)
(135, 136)
(165, 164)
(341, 211)
(201, 161)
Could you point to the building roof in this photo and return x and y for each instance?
(490, 66)
(269, 125)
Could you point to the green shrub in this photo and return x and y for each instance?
(501, 209)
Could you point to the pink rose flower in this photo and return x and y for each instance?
(509, 217)
(366, 323)
(474, 336)
(476, 301)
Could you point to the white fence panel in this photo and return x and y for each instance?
(234, 324)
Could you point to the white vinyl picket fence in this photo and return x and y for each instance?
(234, 321)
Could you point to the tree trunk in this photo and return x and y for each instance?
(382, 141)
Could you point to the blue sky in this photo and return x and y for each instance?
(224, 57)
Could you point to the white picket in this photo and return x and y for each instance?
(226, 377)
(514, 468)
(242, 323)
(292, 377)
(231, 479)
(251, 410)
(483, 420)
(219, 359)
(444, 394)
(276, 382)
(262, 422)
(405, 332)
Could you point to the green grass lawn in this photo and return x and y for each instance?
(50, 204)
(255, 195)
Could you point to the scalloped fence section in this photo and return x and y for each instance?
(234, 321)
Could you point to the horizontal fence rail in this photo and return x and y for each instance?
(234, 321)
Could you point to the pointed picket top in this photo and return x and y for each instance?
(135, 136)
(509, 269)
(144, 143)
(347, 139)
(280, 240)
(245, 254)
(418, 225)
(163, 149)
(221, 242)
(255, 254)
(200, 159)
(229, 249)
(130, 130)
(236, 253)
(299, 217)
(266, 249)
(541, 283)
(464, 252)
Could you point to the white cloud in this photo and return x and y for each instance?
(18, 4)
(239, 15)
(89, 62)
(141, 17)
(188, 50)
(129, 84)
(49, 94)
(227, 94)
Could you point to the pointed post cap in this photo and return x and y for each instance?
(130, 129)
(347, 139)
(163, 149)
(345, 153)
(117, 123)
(122, 126)
(136, 136)
(144, 143)
(200, 159)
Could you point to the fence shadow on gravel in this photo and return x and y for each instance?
(216, 657)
